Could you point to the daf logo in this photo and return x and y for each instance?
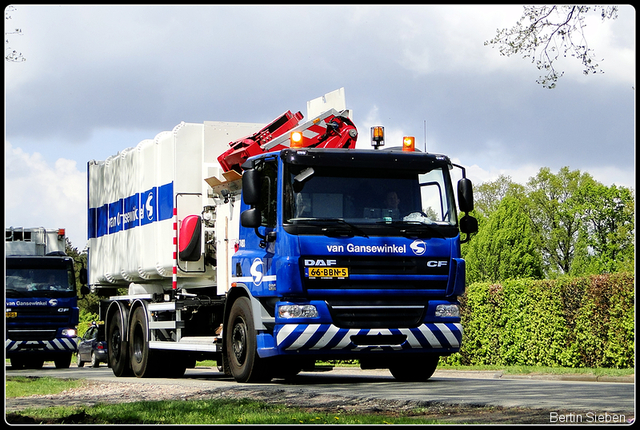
(418, 247)
(319, 263)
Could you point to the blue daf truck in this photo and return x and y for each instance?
(345, 276)
(41, 298)
(292, 246)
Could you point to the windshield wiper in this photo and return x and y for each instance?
(334, 230)
(414, 228)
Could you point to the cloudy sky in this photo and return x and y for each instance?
(99, 79)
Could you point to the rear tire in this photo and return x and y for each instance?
(142, 362)
(415, 369)
(241, 345)
(117, 348)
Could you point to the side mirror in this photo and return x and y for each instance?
(469, 226)
(465, 195)
(251, 187)
(251, 218)
(83, 276)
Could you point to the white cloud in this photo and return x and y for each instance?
(40, 195)
(520, 174)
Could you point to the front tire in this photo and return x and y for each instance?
(241, 345)
(415, 369)
(63, 361)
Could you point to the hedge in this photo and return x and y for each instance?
(570, 322)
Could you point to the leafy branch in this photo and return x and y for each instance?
(543, 33)
(11, 55)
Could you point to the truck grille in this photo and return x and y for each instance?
(360, 314)
(31, 334)
(36, 323)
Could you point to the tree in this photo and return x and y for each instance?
(487, 195)
(564, 223)
(609, 230)
(543, 33)
(504, 247)
(11, 55)
(555, 213)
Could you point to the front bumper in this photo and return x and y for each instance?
(58, 345)
(328, 339)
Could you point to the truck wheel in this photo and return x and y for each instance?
(117, 348)
(241, 345)
(63, 362)
(16, 363)
(33, 363)
(418, 369)
(141, 355)
(288, 367)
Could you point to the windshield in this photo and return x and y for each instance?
(369, 198)
(29, 282)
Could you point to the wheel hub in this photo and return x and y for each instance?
(239, 338)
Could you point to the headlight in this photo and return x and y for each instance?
(297, 311)
(447, 311)
(69, 332)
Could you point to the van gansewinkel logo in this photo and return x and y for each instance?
(418, 247)
(256, 271)
(149, 206)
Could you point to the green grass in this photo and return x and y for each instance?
(528, 370)
(218, 411)
(19, 386)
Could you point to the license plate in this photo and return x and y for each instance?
(12, 314)
(327, 272)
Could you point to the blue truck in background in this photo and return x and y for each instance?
(292, 246)
(41, 298)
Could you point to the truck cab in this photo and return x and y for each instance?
(352, 254)
(41, 298)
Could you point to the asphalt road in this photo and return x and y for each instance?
(445, 387)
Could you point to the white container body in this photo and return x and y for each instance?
(133, 195)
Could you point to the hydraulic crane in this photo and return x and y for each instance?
(331, 129)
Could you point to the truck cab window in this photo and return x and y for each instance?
(268, 194)
(372, 199)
